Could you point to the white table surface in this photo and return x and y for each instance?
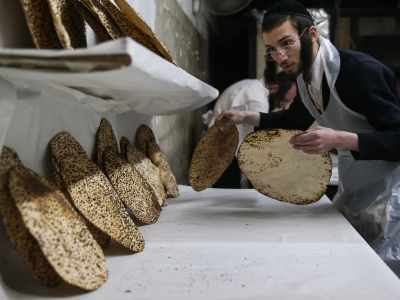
(229, 244)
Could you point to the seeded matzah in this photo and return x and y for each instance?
(213, 154)
(63, 237)
(94, 196)
(133, 190)
(25, 244)
(147, 142)
(62, 145)
(277, 170)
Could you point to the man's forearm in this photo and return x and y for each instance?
(346, 140)
(252, 118)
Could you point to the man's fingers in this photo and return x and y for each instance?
(226, 125)
(219, 118)
(223, 115)
(310, 149)
(302, 138)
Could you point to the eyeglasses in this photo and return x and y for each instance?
(285, 50)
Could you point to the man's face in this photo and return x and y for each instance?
(284, 35)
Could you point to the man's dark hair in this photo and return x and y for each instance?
(301, 23)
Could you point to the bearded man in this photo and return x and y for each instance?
(355, 100)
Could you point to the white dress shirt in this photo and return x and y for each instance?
(315, 88)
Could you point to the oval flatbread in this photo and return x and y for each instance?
(63, 237)
(133, 190)
(105, 138)
(278, 171)
(148, 143)
(25, 244)
(123, 145)
(92, 21)
(213, 154)
(137, 20)
(148, 171)
(128, 28)
(94, 196)
(69, 24)
(63, 145)
(40, 23)
(102, 14)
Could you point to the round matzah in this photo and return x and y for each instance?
(62, 236)
(133, 190)
(62, 145)
(94, 196)
(213, 154)
(23, 241)
(278, 171)
(147, 142)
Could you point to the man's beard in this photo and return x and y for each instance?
(294, 74)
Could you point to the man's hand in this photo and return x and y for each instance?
(320, 140)
(236, 117)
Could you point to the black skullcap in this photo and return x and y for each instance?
(289, 7)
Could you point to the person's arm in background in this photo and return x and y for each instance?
(237, 117)
(254, 106)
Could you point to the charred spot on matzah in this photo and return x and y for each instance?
(133, 190)
(212, 155)
(277, 170)
(147, 142)
(94, 196)
(24, 243)
(63, 237)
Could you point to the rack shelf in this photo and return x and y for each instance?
(123, 72)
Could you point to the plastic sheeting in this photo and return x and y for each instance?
(230, 244)
(8, 97)
(42, 110)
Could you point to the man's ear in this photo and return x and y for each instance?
(313, 33)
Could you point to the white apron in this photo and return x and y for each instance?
(368, 191)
